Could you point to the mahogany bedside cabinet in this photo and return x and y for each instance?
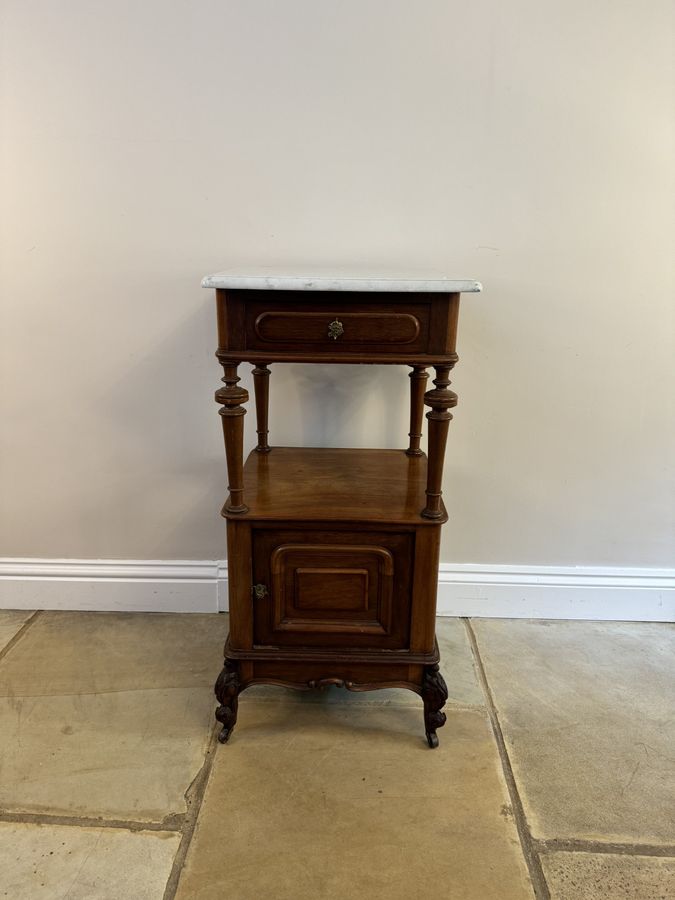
(333, 554)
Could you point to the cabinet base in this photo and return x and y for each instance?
(422, 676)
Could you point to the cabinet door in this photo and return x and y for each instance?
(332, 589)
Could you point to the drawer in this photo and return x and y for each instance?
(332, 589)
(336, 324)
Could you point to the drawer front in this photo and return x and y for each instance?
(346, 325)
(332, 589)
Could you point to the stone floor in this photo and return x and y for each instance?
(555, 777)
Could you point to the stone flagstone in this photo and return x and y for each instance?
(341, 802)
(95, 652)
(107, 714)
(55, 862)
(587, 714)
(607, 876)
(128, 755)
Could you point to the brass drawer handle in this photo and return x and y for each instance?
(259, 591)
(335, 329)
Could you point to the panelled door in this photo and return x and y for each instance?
(332, 588)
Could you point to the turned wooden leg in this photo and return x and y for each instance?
(261, 387)
(434, 694)
(418, 379)
(440, 400)
(232, 413)
(227, 694)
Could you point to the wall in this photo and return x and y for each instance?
(528, 144)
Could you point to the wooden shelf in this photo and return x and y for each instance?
(336, 485)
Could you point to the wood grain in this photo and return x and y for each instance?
(322, 484)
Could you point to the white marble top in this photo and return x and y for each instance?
(275, 279)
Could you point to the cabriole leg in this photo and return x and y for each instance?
(227, 694)
(434, 694)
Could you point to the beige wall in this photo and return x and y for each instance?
(528, 144)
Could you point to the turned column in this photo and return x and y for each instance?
(418, 380)
(261, 388)
(440, 400)
(232, 413)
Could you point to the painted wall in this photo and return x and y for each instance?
(527, 144)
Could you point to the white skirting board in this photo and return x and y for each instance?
(131, 585)
(530, 592)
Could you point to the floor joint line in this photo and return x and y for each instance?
(170, 823)
(20, 633)
(617, 848)
(194, 796)
(527, 844)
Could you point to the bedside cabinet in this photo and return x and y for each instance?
(333, 553)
